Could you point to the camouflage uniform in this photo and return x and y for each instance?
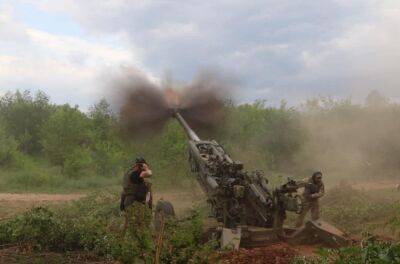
(134, 189)
(311, 195)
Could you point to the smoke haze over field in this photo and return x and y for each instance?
(348, 140)
(343, 139)
(144, 109)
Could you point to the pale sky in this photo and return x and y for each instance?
(287, 49)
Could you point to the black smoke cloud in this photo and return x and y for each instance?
(146, 107)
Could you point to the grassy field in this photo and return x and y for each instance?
(358, 211)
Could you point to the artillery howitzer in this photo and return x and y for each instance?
(247, 208)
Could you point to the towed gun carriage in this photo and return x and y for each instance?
(236, 196)
(245, 201)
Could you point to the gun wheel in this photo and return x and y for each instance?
(164, 209)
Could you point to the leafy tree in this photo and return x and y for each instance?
(24, 115)
(8, 146)
(106, 144)
(66, 130)
(103, 120)
(283, 135)
(258, 134)
(77, 161)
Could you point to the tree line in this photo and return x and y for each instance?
(340, 137)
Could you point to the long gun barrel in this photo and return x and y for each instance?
(240, 198)
(229, 188)
(189, 132)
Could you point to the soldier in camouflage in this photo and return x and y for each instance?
(136, 187)
(313, 190)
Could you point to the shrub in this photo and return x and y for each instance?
(77, 161)
(107, 158)
(9, 147)
(370, 251)
(65, 130)
(183, 241)
(94, 224)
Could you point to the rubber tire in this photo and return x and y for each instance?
(166, 207)
(163, 209)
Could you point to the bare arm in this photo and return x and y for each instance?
(146, 173)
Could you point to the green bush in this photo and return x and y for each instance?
(183, 241)
(94, 224)
(371, 251)
(23, 116)
(8, 149)
(77, 161)
(107, 158)
(66, 130)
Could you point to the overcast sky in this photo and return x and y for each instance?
(287, 49)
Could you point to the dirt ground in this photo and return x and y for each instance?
(12, 203)
(23, 255)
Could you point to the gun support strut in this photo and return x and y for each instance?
(189, 132)
(243, 203)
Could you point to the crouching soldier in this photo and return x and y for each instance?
(313, 190)
(136, 187)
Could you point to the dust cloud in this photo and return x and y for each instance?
(202, 103)
(352, 142)
(142, 106)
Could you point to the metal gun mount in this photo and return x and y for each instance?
(247, 209)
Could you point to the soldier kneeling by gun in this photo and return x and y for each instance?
(313, 190)
(136, 187)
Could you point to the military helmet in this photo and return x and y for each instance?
(140, 160)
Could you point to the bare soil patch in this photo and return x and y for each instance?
(182, 201)
(12, 203)
(281, 253)
(23, 254)
(38, 197)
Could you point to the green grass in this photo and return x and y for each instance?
(38, 175)
(51, 181)
(94, 225)
(357, 211)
